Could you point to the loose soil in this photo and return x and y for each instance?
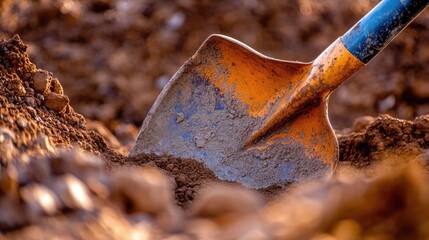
(63, 174)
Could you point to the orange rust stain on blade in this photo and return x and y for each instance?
(250, 77)
(335, 65)
(313, 131)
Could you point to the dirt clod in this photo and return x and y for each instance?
(382, 134)
(41, 81)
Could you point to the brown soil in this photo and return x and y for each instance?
(66, 175)
(374, 136)
(188, 174)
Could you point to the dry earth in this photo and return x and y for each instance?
(63, 174)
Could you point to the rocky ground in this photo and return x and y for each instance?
(77, 83)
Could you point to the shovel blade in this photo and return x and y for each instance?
(219, 97)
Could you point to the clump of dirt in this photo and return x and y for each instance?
(376, 136)
(34, 110)
(188, 174)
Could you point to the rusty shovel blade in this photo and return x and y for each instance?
(261, 121)
(249, 118)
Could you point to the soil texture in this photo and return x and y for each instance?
(65, 173)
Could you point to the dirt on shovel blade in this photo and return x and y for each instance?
(77, 83)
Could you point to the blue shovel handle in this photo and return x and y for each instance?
(380, 26)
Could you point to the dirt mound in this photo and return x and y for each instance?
(376, 136)
(34, 111)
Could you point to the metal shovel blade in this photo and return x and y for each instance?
(220, 97)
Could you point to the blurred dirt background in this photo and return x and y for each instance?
(77, 84)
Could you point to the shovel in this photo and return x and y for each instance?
(261, 121)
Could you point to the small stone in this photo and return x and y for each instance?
(56, 102)
(146, 190)
(200, 141)
(180, 117)
(39, 97)
(22, 123)
(56, 86)
(41, 81)
(226, 200)
(73, 193)
(6, 135)
(32, 111)
(8, 151)
(39, 200)
(30, 101)
(44, 142)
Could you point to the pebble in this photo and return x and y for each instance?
(73, 193)
(180, 117)
(8, 150)
(56, 102)
(226, 200)
(56, 86)
(147, 190)
(22, 123)
(30, 101)
(41, 81)
(6, 135)
(39, 200)
(32, 111)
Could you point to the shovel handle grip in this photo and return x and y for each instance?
(380, 26)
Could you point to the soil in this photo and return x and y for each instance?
(63, 174)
